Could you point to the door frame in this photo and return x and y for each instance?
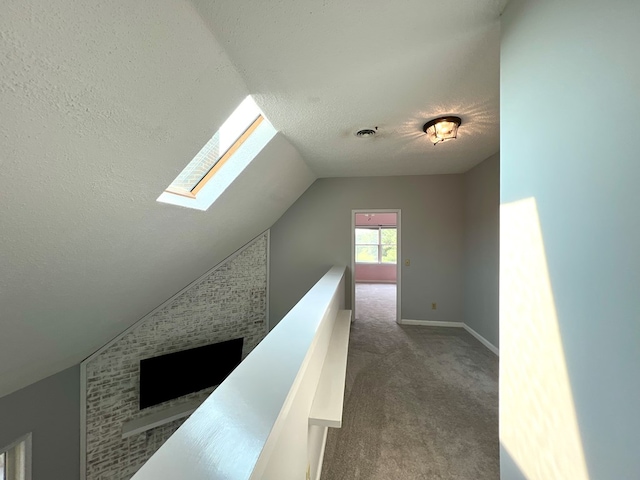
(398, 213)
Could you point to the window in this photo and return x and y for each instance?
(209, 173)
(15, 460)
(376, 245)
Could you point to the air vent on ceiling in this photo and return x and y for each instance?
(366, 132)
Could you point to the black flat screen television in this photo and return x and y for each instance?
(170, 376)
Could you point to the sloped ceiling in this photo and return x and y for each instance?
(104, 102)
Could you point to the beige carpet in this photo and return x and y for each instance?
(420, 402)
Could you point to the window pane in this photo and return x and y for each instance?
(367, 236)
(2, 466)
(230, 131)
(367, 254)
(389, 254)
(389, 236)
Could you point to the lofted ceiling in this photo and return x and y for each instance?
(103, 103)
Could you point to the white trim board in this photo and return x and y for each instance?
(431, 323)
(482, 340)
(322, 449)
(268, 306)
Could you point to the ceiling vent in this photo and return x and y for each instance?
(366, 132)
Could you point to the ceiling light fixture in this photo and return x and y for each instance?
(442, 129)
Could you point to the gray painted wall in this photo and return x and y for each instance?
(577, 61)
(50, 410)
(315, 233)
(481, 248)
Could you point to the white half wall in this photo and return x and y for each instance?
(255, 425)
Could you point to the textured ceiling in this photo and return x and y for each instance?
(323, 70)
(104, 102)
(102, 105)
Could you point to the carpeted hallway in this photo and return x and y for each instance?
(420, 402)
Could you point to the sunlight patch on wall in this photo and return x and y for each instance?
(538, 424)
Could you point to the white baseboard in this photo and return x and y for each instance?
(482, 340)
(433, 323)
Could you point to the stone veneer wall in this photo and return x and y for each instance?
(229, 302)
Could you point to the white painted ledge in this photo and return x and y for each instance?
(156, 419)
(326, 410)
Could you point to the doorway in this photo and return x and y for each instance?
(375, 264)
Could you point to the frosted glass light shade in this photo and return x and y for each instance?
(442, 129)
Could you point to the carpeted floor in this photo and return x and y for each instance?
(420, 402)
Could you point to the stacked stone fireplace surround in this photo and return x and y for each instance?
(229, 302)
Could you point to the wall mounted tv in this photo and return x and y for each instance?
(170, 376)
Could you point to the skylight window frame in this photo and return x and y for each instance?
(192, 194)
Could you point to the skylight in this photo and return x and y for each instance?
(191, 188)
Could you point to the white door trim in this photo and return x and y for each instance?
(398, 211)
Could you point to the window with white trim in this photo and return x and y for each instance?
(15, 460)
(377, 245)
